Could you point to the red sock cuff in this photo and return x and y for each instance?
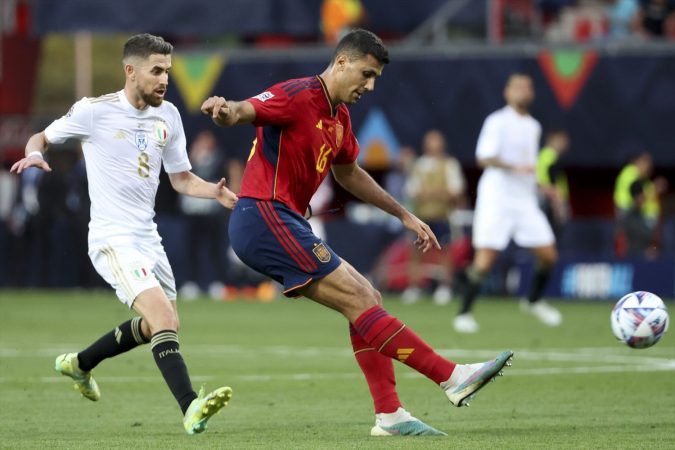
(377, 327)
(358, 344)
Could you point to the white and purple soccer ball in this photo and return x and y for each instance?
(639, 319)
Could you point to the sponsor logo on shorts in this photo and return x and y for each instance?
(321, 252)
(140, 272)
(263, 97)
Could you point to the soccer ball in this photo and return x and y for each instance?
(639, 319)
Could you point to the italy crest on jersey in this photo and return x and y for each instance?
(160, 132)
(141, 140)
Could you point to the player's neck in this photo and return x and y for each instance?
(134, 100)
(521, 110)
(329, 82)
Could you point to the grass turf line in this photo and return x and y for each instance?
(297, 386)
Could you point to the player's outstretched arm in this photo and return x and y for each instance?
(226, 113)
(187, 183)
(35, 147)
(357, 181)
(498, 163)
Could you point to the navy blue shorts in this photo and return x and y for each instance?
(276, 241)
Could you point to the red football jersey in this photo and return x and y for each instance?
(298, 137)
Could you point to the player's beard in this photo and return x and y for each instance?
(152, 99)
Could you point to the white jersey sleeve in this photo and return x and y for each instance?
(174, 157)
(488, 140)
(77, 123)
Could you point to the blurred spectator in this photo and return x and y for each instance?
(9, 185)
(581, 22)
(396, 179)
(638, 208)
(655, 17)
(553, 188)
(338, 17)
(205, 222)
(621, 15)
(435, 187)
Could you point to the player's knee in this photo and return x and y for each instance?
(549, 259)
(164, 320)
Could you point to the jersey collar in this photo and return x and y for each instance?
(333, 111)
(129, 107)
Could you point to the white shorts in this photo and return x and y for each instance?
(495, 225)
(132, 269)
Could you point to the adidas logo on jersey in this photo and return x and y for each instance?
(119, 135)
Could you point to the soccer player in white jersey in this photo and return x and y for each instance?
(506, 204)
(125, 138)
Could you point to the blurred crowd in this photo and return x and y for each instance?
(584, 20)
(44, 217)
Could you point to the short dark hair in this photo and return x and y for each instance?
(517, 74)
(359, 43)
(144, 45)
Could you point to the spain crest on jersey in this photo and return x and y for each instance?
(321, 252)
(339, 132)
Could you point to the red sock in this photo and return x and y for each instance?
(379, 373)
(390, 337)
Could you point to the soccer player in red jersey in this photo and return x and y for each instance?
(303, 130)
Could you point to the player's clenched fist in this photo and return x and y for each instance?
(217, 108)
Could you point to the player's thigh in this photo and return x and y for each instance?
(532, 228)
(492, 226)
(341, 291)
(127, 269)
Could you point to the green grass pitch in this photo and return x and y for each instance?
(297, 386)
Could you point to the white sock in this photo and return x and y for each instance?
(389, 419)
(461, 372)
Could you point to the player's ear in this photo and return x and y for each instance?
(130, 70)
(341, 61)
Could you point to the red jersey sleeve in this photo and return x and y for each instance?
(273, 107)
(350, 146)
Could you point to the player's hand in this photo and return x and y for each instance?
(523, 170)
(30, 161)
(425, 237)
(217, 108)
(225, 197)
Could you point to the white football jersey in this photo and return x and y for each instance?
(514, 139)
(123, 149)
